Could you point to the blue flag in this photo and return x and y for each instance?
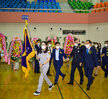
(27, 53)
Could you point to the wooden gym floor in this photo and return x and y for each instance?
(14, 86)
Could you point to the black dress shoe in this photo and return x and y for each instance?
(81, 83)
(105, 75)
(88, 88)
(93, 78)
(70, 83)
(95, 74)
(55, 83)
(64, 77)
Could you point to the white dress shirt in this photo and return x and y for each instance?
(57, 54)
(89, 48)
(50, 49)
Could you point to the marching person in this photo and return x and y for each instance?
(49, 44)
(38, 48)
(98, 55)
(57, 56)
(44, 59)
(76, 53)
(90, 59)
(105, 59)
(82, 43)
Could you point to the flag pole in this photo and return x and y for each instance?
(33, 47)
(26, 25)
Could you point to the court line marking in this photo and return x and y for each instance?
(58, 87)
(79, 85)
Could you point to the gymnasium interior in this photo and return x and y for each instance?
(53, 20)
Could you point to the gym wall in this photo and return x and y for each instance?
(95, 32)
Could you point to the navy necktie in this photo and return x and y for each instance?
(87, 50)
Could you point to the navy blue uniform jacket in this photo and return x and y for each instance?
(61, 55)
(105, 51)
(90, 59)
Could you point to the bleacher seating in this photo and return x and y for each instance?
(40, 4)
(79, 5)
(100, 5)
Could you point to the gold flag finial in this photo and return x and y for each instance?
(26, 23)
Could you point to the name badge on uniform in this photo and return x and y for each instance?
(90, 52)
(44, 55)
(60, 52)
(107, 53)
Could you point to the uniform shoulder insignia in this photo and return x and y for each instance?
(80, 45)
